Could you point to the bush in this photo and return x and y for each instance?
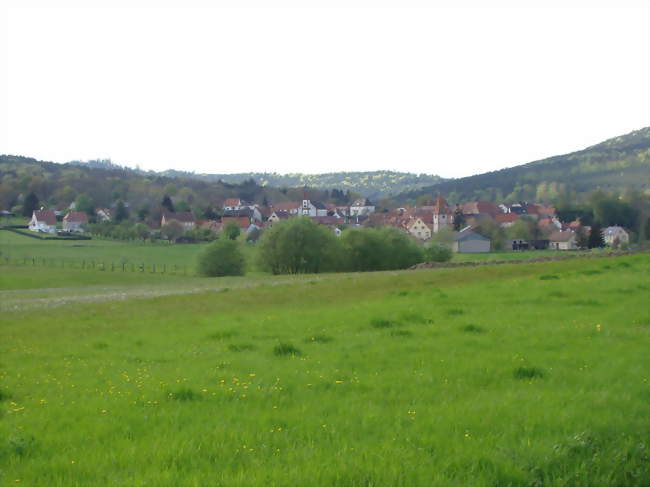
(282, 349)
(298, 245)
(437, 252)
(374, 249)
(221, 258)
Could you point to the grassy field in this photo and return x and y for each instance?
(110, 252)
(520, 375)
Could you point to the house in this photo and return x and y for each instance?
(185, 218)
(615, 236)
(331, 222)
(43, 221)
(313, 208)
(468, 241)
(418, 228)
(253, 214)
(74, 221)
(563, 240)
(104, 214)
(362, 206)
(278, 215)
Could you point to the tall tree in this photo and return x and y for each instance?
(30, 205)
(459, 219)
(121, 212)
(596, 239)
(167, 204)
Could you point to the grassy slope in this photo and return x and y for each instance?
(188, 391)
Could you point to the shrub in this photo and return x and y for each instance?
(472, 329)
(437, 252)
(231, 231)
(283, 349)
(184, 394)
(526, 373)
(382, 323)
(221, 258)
(298, 245)
(319, 339)
(374, 249)
(242, 347)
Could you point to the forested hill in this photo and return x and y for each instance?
(617, 165)
(373, 184)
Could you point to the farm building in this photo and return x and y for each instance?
(563, 240)
(468, 241)
(43, 221)
(185, 218)
(74, 221)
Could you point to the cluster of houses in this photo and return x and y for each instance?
(419, 222)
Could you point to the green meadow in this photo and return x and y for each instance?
(512, 375)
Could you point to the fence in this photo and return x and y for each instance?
(95, 265)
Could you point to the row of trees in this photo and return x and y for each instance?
(299, 245)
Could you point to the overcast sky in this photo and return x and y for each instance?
(442, 90)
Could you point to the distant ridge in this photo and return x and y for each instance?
(618, 164)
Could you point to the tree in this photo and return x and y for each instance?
(167, 204)
(436, 252)
(231, 230)
(298, 245)
(582, 239)
(142, 231)
(254, 235)
(143, 212)
(30, 205)
(172, 230)
(121, 212)
(221, 258)
(459, 219)
(596, 239)
(86, 204)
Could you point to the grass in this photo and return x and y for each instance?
(400, 389)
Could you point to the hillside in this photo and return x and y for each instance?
(616, 165)
(373, 184)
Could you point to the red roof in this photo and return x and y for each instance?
(243, 221)
(76, 216)
(232, 202)
(46, 216)
(506, 217)
(481, 208)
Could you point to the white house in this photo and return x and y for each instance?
(43, 221)
(74, 221)
(185, 218)
(615, 236)
(418, 228)
(362, 206)
(563, 240)
(313, 208)
(467, 241)
(104, 214)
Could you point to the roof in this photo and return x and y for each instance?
(243, 222)
(282, 215)
(289, 205)
(506, 217)
(480, 208)
(238, 213)
(560, 236)
(468, 234)
(46, 216)
(441, 206)
(232, 202)
(179, 216)
(319, 205)
(76, 216)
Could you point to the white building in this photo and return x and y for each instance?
(616, 236)
(43, 221)
(362, 206)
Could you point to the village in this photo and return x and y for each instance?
(470, 227)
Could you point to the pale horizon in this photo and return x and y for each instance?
(449, 91)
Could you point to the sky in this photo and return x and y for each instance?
(448, 88)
